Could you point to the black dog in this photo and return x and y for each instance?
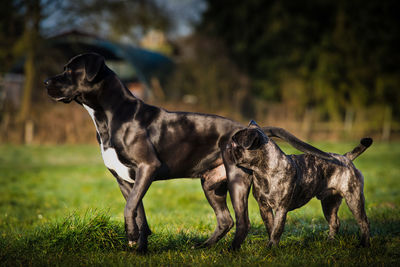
(286, 182)
(142, 143)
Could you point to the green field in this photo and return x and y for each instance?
(60, 206)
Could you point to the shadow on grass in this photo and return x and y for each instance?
(96, 233)
(383, 224)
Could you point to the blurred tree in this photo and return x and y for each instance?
(23, 24)
(206, 73)
(114, 19)
(11, 28)
(265, 37)
(356, 61)
(29, 44)
(324, 54)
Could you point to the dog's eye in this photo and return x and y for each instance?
(69, 71)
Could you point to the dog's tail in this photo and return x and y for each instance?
(296, 142)
(358, 150)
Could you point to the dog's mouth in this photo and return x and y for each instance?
(65, 100)
(237, 156)
(55, 95)
(58, 98)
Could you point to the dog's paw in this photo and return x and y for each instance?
(131, 244)
(142, 249)
(364, 244)
(233, 248)
(200, 245)
(272, 244)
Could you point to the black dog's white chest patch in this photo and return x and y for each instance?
(110, 156)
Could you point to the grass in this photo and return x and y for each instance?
(60, 206)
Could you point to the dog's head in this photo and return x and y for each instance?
(247, 146)
(79, 77)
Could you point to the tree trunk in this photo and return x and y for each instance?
(29, 83)
(32, 39)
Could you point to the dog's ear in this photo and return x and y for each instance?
(94, 63)
(253, 124)
(250, 139)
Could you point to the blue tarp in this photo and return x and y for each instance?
(147, 64)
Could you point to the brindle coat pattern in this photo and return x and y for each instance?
(286, 182)
(141, 143)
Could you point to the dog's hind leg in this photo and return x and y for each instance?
(217, 199)
(356, 203)
(330, 206)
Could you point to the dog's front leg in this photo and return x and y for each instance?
(265, 210)
(141, 221)
(279, 225)
(267, 217)
(239, 183)
(144, 177)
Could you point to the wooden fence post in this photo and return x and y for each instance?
(28, 135)
(387, 124)
(348, 121)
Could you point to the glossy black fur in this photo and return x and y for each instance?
(157, 144)
(286, 182)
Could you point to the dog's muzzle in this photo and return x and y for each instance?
(231, 148)
(56, 93)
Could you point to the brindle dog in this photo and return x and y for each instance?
(286, 182)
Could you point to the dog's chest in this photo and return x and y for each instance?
(110, 157)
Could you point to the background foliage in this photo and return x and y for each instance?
(323, 69)
(327, 55)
